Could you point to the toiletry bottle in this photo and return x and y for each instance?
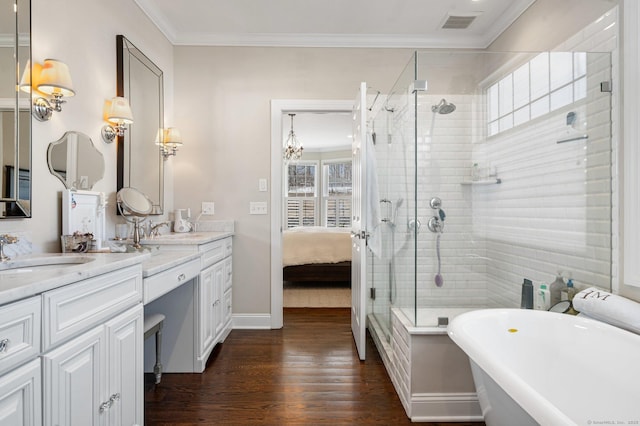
(569, 291)
(475, 172)
(526, 300)
(555, 289)
(542, 298)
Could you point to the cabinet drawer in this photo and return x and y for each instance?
(212, 252)
(162, 283)
(228, 273)
(19, 332)
(74, 308)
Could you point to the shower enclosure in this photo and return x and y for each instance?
(491, 168)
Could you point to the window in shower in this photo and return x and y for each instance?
(336, 193)
(549, 81)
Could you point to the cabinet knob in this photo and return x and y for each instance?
(4, 345)
(181, 277)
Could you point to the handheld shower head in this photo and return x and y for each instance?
(443, 107)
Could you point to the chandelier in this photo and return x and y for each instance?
(292, 148)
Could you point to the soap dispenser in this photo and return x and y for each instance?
(555, 289)
(569, 291)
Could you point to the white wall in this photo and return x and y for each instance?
(222, 106)
(82, 34)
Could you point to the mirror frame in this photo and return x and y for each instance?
(125, 52)
(18, 176)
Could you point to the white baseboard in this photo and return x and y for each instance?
(251, 321)
(445, 407)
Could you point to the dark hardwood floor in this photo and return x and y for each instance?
(307, 373)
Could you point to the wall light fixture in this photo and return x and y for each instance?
(51, 78)
(118, 113)
(169, 142)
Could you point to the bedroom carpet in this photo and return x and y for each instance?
(317, 295)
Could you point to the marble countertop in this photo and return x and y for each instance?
(36, 273)
(186, 238)
(169, 249)
(26, 281)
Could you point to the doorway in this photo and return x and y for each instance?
(279, 115)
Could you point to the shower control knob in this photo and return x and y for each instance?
(435, 203)
(435, 224)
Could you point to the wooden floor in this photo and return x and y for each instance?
(307, 373)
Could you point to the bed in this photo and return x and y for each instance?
(315, 253)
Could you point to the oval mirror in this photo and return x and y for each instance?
(133, 202)
(76, 161)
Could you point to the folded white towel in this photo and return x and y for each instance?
(610, 308)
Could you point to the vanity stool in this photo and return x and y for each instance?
(153, 325)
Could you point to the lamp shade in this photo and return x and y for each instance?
(119, 111)
(55, 79)
(172, 136)
(30, 76)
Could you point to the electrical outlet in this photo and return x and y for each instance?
(207, 207)
(262, 185)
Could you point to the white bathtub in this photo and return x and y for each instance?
(538, 367)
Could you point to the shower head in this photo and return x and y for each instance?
(443, 107)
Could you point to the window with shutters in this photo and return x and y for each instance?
(337, 193)
(301, 199)
(307, 205)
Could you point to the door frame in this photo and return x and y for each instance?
(279, 108)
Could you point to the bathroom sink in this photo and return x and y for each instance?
(33, 264)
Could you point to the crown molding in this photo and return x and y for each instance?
(157, 18)
(444, 39)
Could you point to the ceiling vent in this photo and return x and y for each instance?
(458, 22)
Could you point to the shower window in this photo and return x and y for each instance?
(549, 81)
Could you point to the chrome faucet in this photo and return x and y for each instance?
(154, 228)
(6, 239)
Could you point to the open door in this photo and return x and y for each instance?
(358, 231)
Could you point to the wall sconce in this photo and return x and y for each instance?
(118, 112)
(50, 78)
(171, 140)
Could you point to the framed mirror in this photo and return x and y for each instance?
(15, 109)
(140, 163)
(76, 161)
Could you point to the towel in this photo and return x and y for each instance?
(372, 221)
(609, 308)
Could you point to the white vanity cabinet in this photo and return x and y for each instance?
(71, 346)
(214, 298)
(96, 378)
(92, 360)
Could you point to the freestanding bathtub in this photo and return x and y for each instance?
(539, 367)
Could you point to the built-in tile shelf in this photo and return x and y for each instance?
(482, 182)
